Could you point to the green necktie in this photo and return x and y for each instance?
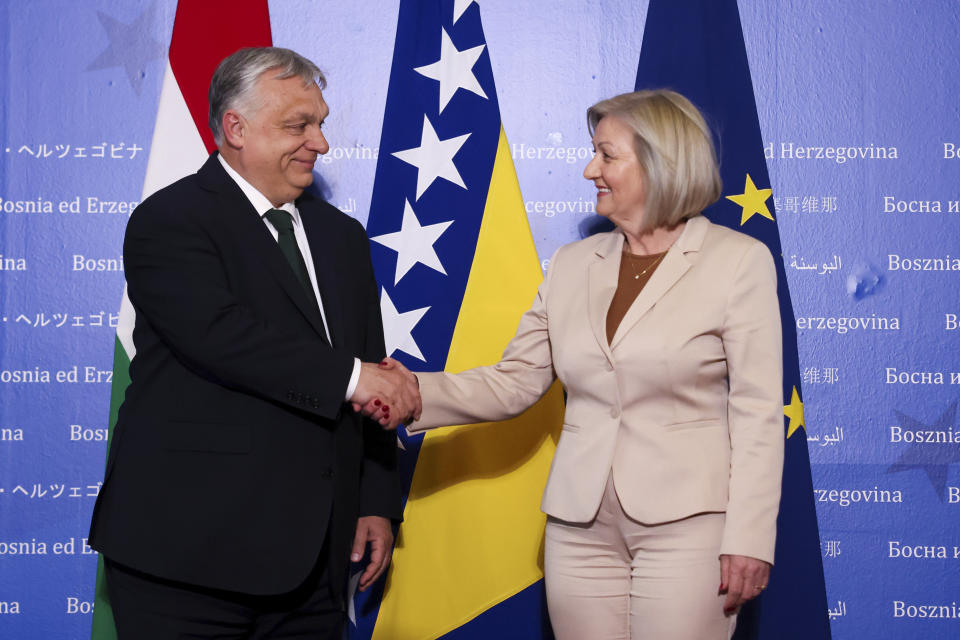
(282, 221)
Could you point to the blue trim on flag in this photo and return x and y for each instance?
(520, 617)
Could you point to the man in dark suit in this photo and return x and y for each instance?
(240, 481)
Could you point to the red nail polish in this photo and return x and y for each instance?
(376, 402)
(386, 407)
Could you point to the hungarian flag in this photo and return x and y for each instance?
(204, 33)
(457, 267)
(696, 47)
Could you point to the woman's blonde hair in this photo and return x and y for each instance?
(675, 149)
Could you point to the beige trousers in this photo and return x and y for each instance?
(615, 578)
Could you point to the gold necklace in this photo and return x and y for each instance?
(650, 266)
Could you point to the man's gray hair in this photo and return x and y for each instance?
(232, 85)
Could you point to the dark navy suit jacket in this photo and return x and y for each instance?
(234, 455)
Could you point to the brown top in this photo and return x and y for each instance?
(635, 271)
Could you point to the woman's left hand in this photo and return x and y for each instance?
(742, 578)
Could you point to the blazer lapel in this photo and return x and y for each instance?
(674, 265)
(601, 285)
(252, 232)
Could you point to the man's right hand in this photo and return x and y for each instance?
(388, 394)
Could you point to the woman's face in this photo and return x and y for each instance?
(616, 172)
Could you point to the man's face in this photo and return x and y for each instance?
(282, 136)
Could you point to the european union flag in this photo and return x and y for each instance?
(457, 267)
(696, 47)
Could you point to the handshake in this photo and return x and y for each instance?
(388, 393)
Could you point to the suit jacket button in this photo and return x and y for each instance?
(614, 413)
(326, 472)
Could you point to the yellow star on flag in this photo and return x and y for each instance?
(794, 411)
(752, 200)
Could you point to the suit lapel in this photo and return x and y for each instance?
(253, 233)
(601, 285)
(675, 264)
(323, 248)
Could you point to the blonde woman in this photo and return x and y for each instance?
(663, 494)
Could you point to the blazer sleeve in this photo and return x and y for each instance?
(496, 392)
(752, 341)
(179, 284)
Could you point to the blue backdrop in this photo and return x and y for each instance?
(858, 114)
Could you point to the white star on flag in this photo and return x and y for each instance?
(397, 327)
(414, 243)
(454, 69)
(433, 158)
(459, 6)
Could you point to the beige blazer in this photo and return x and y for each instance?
(684, 407)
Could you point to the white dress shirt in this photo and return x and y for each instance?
(262, 206)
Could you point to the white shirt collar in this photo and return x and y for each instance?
(259, 201)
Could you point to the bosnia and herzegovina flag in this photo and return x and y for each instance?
(457, 267)
(204, 33)
(696, 47)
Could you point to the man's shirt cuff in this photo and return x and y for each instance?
(354, 379)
